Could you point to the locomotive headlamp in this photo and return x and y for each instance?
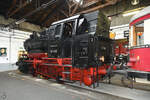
(132, 12)
(112, 35)
(45, 53)
(102, 58)
(115, 58)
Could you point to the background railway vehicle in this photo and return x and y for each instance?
(138, 64)
(139, 42)
(121, 51)
(74, 49)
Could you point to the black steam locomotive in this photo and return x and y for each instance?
(83, 38)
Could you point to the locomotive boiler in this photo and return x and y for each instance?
(74, 49)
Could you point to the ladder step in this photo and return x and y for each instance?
(67, 81)
(66, 72)
(67, 65)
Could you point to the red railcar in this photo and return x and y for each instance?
(139, 41)
(134, 56)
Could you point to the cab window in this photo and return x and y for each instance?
(68, 29)
(82, 26)
(57, 30)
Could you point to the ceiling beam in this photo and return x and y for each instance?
(64, 13)
(54, 10)
(72, 4)
(16, 10)
(12, 6)
(46, 14)
(90, 3)
(53, 18)
(49, 21)
(24, 18)
(76, 7)
(69, 6)
(49, 16)
(110, 2)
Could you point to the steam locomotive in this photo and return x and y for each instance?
(78, 49)
(74, 49)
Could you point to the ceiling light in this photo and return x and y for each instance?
(132, 12)
(20, 21)
(135, 2)
(77, 0)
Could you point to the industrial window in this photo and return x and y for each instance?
(140, 38)
(68, 29)
(139, 31)
(82, 26)
(58, 28)
(51, 32)
(92, 26)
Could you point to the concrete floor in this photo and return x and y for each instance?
(20, 87)
(140, 84)
(7, 67)
(15, 86)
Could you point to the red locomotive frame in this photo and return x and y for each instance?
(61, 69)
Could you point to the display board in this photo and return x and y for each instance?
(3, 52)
